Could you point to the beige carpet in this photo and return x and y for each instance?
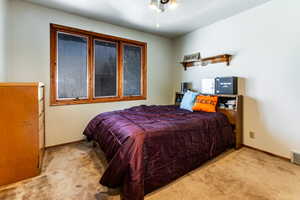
(72, 172)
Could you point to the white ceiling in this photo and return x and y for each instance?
(136, 14)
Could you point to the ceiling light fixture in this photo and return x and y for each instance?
(161, 5)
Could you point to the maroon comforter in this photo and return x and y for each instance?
(149, 146)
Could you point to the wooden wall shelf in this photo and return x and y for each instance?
(226, 58)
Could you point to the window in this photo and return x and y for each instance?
(71, 66)
(89, 67)
(132, 70)
(105, 68)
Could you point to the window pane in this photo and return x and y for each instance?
(132, 70)
(72, 66)
(105, 69)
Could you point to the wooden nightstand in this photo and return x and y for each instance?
(234, 115)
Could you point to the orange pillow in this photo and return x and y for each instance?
(206, 103)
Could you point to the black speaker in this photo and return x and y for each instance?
(226, 85)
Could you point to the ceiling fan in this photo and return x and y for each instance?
(161, 5)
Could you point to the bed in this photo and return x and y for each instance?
(147, 147)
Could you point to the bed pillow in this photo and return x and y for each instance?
(188, 100)
(206, 103)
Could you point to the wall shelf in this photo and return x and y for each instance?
(224, 58)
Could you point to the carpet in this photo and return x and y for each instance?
(72, 172)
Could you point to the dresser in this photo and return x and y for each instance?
(22, 130)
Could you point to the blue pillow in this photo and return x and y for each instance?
(188, 100)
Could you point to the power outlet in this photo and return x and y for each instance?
(252, 135)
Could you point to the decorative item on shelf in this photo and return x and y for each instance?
(208, 86)
(192, 57)
(222, 106)
(227, 102)
(209, 60)
(231, 104)
(191, 60)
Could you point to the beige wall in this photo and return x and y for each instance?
(29, 61)
(265, 42)
(3, 38)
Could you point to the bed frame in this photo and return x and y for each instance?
(235, 116)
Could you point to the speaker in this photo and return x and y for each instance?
(226, 85)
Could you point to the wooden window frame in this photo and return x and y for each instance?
(92, 36)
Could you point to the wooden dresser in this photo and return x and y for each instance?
(22, 130)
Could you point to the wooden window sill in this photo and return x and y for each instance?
(98, 100)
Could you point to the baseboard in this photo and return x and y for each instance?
(269, 153)
(57, 145)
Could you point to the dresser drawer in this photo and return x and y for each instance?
(20, 160)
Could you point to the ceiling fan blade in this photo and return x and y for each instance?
(164, 1)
